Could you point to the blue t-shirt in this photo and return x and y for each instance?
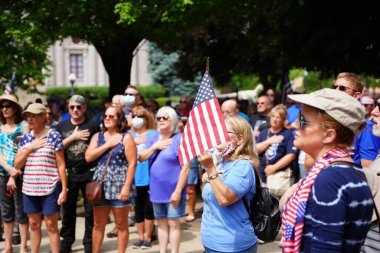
(338, 212)
(228, 228)
(275, 151)
(366, 145)
(142, 168)
(165, 170)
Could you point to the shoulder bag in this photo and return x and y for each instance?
(94, 190)
(279, 181)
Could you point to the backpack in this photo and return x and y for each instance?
(264, 213)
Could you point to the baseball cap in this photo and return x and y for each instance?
(340, 106)
(35, 108)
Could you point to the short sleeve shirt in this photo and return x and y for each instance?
(41, 172)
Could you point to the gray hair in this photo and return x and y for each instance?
(171, 113)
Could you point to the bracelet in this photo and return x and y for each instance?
(213, 176)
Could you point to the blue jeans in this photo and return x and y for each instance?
(252, 249)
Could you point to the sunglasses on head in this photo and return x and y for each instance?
(164, 118)
(129, 94)
(5, 106)
(108, 116)
(342, 88)
(72, 107)
(141, 116)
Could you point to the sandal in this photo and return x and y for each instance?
(190, 218)
(7, 251)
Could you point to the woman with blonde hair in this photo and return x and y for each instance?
(275, 145)
(226, 226)
(167, 178)
(142, 129)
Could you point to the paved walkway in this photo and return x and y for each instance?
(190, 242)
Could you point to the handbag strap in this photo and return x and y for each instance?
(106, 166)
(351, 165)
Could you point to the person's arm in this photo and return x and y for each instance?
(158, 145)
(60, 159)
(264, 145)
(131, 155)
(366, 163)
(76, 135)
(23, 152)
(223, 194)
(93, 152)
(175, 198)
(11, 170)
(282, 163)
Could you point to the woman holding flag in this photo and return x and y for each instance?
(167, 178)
(225, 221)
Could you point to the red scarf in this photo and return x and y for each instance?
(294, 213)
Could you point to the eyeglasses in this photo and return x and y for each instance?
(232, 132)
(5, 106)
(302, 122)
(72, 107)
(260, 103)
(48, 113)
(141, 116)
(108, 116)
(164, 118)
(342, 88)
(129, 94)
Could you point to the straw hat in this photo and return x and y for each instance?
(11, 98)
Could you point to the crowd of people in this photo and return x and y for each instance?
(318, 154)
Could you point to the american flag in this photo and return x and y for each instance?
(10, 86)
(205, 127)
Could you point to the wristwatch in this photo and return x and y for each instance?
(213, 176)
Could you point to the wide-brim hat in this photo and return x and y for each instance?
(339, 105)
(10, 98)
(35, 108)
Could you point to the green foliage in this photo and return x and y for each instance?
(162, 69)
(243, 82)
(64, 92)
(152, 91)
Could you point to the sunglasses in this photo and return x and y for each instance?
(164, 118)
(342, 88)
(5, 106)
(141, 116)
(183, 102)
(108, 116)
(72, 107)
(130, 94)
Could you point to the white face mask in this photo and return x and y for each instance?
(129, 100)
(137, 122)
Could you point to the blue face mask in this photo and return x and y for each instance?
(129, 100)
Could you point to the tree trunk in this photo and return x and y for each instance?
(117, 58)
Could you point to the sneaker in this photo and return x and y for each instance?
(112, 233)
(146, 245)
(138, 244)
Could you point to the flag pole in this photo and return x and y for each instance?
(208, 64)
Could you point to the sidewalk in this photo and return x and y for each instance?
(190, 242)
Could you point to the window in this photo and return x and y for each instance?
(76, 65)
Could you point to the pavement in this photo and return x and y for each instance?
(190, 239)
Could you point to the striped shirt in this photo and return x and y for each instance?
(41, 172)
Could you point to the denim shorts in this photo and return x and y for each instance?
(166, 210)
(192, 178)
(252, 249)
(113, 203)
(46, 204)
